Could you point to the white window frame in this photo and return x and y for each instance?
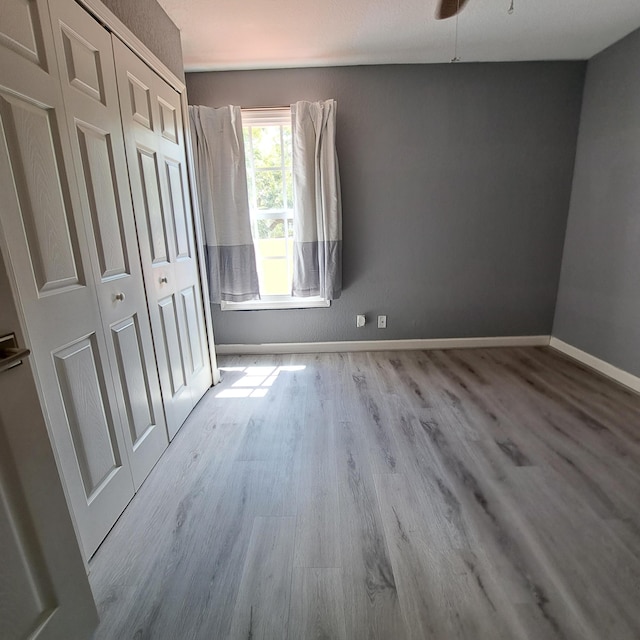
(276, 302)
(262, 117)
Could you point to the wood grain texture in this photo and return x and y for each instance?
(262, 604)
(317, 604)
(485, 494)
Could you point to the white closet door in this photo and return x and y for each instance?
(43, 584)
(154, 140)
(42, 227)
(90, 93)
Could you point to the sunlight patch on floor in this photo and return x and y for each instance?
(256, 380)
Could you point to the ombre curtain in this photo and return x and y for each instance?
(224, 204)
(317, 224)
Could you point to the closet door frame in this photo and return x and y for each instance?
(106, 17)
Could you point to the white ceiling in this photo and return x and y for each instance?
(258, 34)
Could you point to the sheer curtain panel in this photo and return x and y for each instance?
(224, 203)
(317, 266)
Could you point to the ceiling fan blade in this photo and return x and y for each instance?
(449, 8)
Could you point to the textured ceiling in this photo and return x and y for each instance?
(258, 34)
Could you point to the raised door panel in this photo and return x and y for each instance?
(85, 59)
(31, 135)
(83, 64)
(153, 210)
(96, 152)
(195, 338)
(179, 218)
(180, 396)
(139, 101)
(171, 339)
(90, 420)
(20, 29)
(135, 381)
(168, 121)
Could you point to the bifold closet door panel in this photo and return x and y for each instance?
(44, 237)
(44, 591)
(87, 71)
(154, 141)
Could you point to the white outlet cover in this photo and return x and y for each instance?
(382, 322)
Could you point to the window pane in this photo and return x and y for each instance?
(271, 248)
(267, 151)
(274, 280)
(269, 189)
(271, 229)
(270, 183)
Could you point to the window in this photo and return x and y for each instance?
(269, 159)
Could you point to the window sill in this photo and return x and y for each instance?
(287, 303)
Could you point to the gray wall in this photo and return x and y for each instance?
(598, 307)
(456, 182)
(147, 19)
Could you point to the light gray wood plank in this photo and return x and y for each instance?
(494, 531)
(261, 610)
(371, 416)
(318, 527)
(600, 468)
(317, 605)
(580, 546)
(443, 593)
(368, 580)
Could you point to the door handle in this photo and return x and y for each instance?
(119, 296)
(164, 280)
(11, 354)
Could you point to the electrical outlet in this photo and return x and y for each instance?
(382, 322)
(360, 320)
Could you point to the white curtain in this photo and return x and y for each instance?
(317, 226)
(224, 203)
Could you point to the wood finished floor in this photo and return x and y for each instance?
(483, 494)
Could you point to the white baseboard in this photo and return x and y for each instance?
(619, 375)
(381, 345)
